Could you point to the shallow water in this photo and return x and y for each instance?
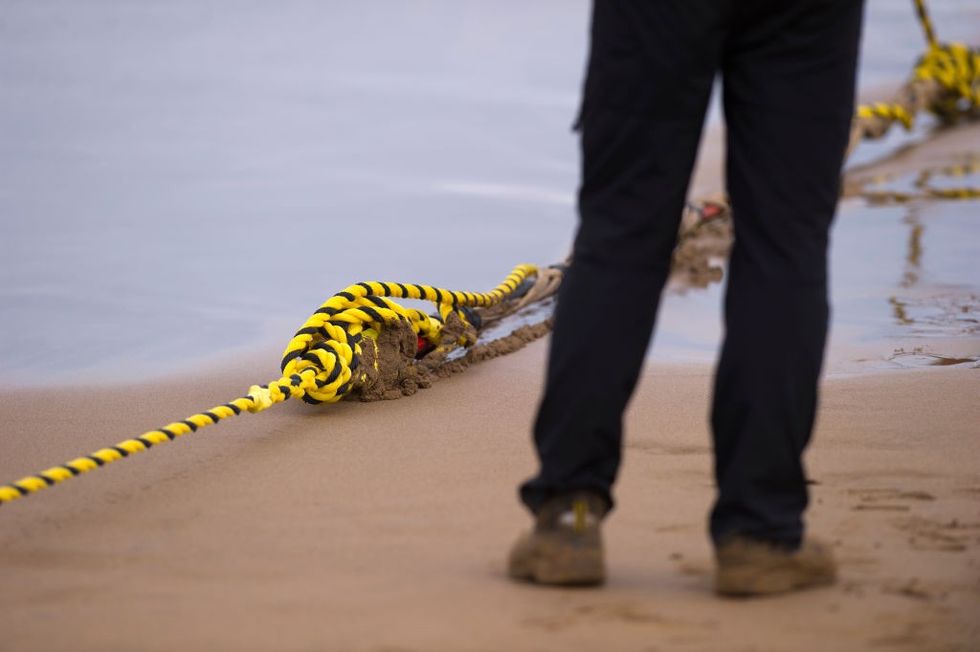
(182, 179)
(905, 291)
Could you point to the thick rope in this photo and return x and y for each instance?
(945, 81)
(319, 364)
(926, 23)
(324, 352)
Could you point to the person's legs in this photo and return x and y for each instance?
(789, 90)
(650, 74)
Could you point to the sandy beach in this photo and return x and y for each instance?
(384, 527)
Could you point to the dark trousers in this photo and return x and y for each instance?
(788, 71)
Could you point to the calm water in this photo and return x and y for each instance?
(184, 178)
(903, 278)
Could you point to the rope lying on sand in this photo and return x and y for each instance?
(362, 344)
(323, 361)
(945, 81)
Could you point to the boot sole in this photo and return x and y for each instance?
(561, 567)
(750, 581)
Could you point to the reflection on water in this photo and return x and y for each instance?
(943, 315)
(938, 310)
(906, 281)
(958, 181)
(914, 257)
(905, 285)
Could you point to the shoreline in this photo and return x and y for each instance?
(256, 358)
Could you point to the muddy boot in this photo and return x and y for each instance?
(747, 567)
(565, 546)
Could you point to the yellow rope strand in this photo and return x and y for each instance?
(945, 81)
(318, 365)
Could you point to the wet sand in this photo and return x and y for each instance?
(384, 526)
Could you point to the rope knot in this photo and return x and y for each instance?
(261, 398)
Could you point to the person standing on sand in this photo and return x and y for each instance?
(788, 70)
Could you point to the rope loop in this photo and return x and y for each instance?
(956, 68)
(327, 347)
(319, 364)
(945, 81)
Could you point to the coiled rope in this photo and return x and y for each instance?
(320, 363)
(945, 81)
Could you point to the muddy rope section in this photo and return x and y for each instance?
(945, 81)
(359, 344)
(362, 345)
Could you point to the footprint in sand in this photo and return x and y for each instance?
(620, 612)
(924, 533)
(887, 499)
(592, 613)
(933, 534)
(914, 589)
(970, 492)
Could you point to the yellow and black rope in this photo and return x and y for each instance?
(926, 23)
(318, 366)
(886, 111)
(951, 74)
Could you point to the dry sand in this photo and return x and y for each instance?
(384, 526)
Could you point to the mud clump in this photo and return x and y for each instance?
(699, 247)
(517, 340)
(388, 368)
